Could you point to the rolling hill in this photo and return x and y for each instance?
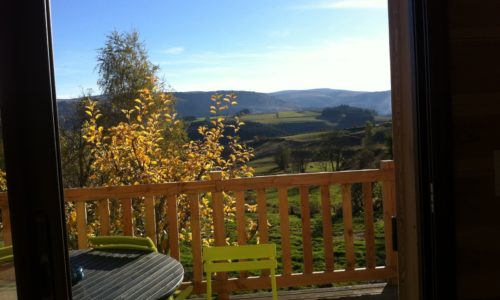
(321, 98)
(197, 104)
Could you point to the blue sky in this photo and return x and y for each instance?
(259, 45)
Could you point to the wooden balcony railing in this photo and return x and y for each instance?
(351, 271)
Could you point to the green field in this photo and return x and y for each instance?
(267, 166)
(284, 117)
(308, 137)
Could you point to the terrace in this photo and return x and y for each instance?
(348, 250)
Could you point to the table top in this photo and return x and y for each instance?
(125, 274)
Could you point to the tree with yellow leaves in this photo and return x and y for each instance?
(148, 148)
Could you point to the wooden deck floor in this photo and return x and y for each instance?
(379, 291)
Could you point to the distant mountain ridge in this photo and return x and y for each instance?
(197, 104)
(321, 98)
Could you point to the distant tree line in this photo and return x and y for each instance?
(338, 151)
(346, 116)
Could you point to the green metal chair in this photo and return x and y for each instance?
(240, 258)
(6, 255)
(182, 294)
(123, 242)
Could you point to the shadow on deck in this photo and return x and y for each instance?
(378, 291)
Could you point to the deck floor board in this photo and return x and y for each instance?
(378, 291)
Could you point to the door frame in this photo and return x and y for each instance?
(31, 146)
(421, 106)
(404, 148)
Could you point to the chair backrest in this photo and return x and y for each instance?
(123, 242)
(239, 258)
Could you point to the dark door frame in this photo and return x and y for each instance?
(434, 111)
(422, 148)
(31, 145)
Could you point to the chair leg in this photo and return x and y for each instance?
(209, 286)
(273, 284)
(185, 293)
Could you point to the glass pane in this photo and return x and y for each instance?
(156, 92)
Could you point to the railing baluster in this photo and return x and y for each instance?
(104, 216)
(262, 212)
(240, 218)
(262, 215)
(128, 228)
(219, 228)
(173, 226)
(348, 232)
(369, 228)
(196, 241)
(218, 209)
(326, 211)
(285, 230)
(81, 224)
(6, 230)
(306, 229)
(389, 205)
(240, 222)
(149, 203)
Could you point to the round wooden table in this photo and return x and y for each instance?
(125, 274)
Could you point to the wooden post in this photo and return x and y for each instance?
(348, 232)
(262, 212)
(326, 211)
(285, 231)
(149, 203)
(81, 224)
(263, 228)
(218, 210)
(196, 242)
(219, 229)
(173, 227)
(306, 230)
(241, 223)
(240, 218)
(389, 205)
(128, 227)
(104, 216)
(369, 228)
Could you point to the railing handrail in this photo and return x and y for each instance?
(233, 184)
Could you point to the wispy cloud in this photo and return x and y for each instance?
(344, 4)
(174, 50)
(212, 58)
(355, 64)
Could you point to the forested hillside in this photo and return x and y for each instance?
(196, 104)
